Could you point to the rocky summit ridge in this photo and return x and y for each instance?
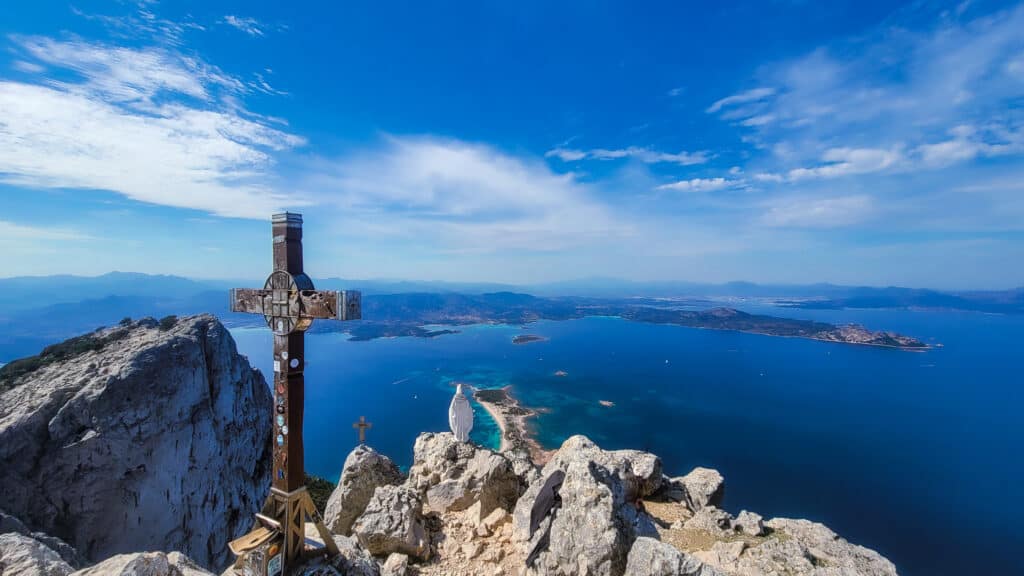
(149, 436)
(98, 444)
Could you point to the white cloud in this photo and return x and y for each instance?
(752, 95)
(847, 161)
(250, 26)
(471, 197)
(149, 123)
(968, 143)
(645, 155)
(817, 212)
(699, 185)
(676, 91)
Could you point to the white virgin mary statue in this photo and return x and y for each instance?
(460, 415)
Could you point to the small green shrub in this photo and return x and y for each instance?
(168, 322)
(126, 321)
(320, 490)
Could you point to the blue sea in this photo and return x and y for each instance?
(915, 454)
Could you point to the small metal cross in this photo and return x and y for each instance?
(362, 425)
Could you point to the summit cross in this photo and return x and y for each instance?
(362, 425)
(289, 303)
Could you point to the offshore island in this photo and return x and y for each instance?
(410, 314)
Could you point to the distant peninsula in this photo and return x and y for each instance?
(409, 314)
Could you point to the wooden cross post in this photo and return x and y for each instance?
(289, 303)
(362, 425)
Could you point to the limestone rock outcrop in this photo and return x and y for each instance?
(157, 441)
(452, 475)
(364, 470)
(393, 523)
(650, 557)
(597, 521)
(145, 564)
(21, 554)
(807, 549)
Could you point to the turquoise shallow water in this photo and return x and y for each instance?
(917, 455)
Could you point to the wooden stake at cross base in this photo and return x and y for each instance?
(289, 303)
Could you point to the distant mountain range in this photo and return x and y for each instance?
(38, 311)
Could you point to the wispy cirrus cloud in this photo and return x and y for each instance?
(250, 26)
(153, 124)
(893, 87)
(752, 95)
(645, 155)
(700, 184)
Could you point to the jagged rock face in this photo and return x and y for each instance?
(21, 554)
(452, 475)
(158, 441)
(393, 523)
(364, 470)
(145, 564)
(649, 557)
(595, 526)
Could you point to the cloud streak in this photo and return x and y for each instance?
(250, 26)
(645, 155)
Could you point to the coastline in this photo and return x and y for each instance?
(511, 418)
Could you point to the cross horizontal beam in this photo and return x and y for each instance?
(328, 304)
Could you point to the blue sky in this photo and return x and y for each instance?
(858, 143)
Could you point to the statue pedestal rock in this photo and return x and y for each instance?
(289, 304)
(460, 415)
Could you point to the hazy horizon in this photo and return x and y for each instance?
(594, 280)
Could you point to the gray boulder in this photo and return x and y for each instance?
(711, 519)
(701, 487)
(749, 523)
(649, 557)
(393, 522)
(365, 469)
(595, 526)
(395, 565)
(10, 524)
(21, 554)
(452, 475)
(352, 560)
(145, 564)
(157, 441)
